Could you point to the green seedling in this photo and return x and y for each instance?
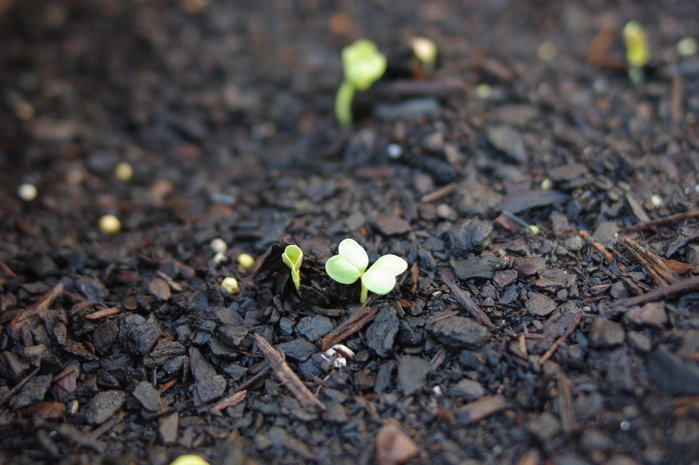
(425, 50)
(351, 264)
(293, 256)
(362, 64)
(636, 51)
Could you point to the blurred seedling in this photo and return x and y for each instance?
(362, 64)
(637, 53)
(351, 264)
(292, 257)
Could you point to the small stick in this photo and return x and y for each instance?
(600, 248)
(5, 269)
(347, 328)
(19, 386)
(573, 324)
(292, 382)
(230, 401)
(463, 298)
(42, 305)
(672, 291)
(439, 193)
(103, 313)
(660, 222)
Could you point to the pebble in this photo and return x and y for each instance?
(391, 224)
(12, 368)
(671, 374)
(540, 305)
(314, 327)
(411, 373)
(605, 333)
(407, 109)
(457, 331)
(470, 236)
(103, 406)
(467, 389)
(479, 267)
(32, 392)
(508, 140)
(382, 333)
(297, 349)
(652, 315)
(147, 395)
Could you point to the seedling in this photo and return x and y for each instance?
(293, 256)
(636, 51)
(362, 64)
(425, 50)
(351, 264)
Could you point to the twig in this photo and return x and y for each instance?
(28, 313)
(573, 324)
(103, 313)
(19, 386)
(463, 298)
(660, 222)
(672, 291)
(230, 401)
(565, 404)
(292, 382)
(599, 247)
(661, 273)
(348, 327)
(439, 193)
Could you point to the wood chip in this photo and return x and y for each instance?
(230, 401)
(480, 409)
(347, 328)
(463, 298)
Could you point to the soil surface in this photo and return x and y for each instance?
(544, 203)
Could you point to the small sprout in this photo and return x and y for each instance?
(394, 151)
(687, 46)
(636, 50)
(230, 285)
(293, 256)
(124, 171)
(351, 264)
(27, 192)
(109, 224)
(189, 460)
(218, 245)
(338, 355)
(363, 64)
(245, 260)
(425, 50)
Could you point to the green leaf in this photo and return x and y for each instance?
(391, 264)
(354, 254)
(381, 277)
(363, 64)
(379, 281)
(293, 256)
(341, 270)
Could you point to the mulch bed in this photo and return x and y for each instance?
(546, 209)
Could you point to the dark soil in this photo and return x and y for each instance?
(577, 343)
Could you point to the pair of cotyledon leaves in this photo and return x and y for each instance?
(351, 264)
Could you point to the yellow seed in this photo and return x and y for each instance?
(245, 260)
(109, 224)
(484, 91)
(546, 184)
(189, 460)
(547, 50)
(687, 46)
(230, 285)
(124, 171)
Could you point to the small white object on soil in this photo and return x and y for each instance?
(230, 285)
(218, 245)
(109, 224)
(27, 192)
(394, 151)
(220, 258)
(124, 171)
(687, 46)
(245, 260)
